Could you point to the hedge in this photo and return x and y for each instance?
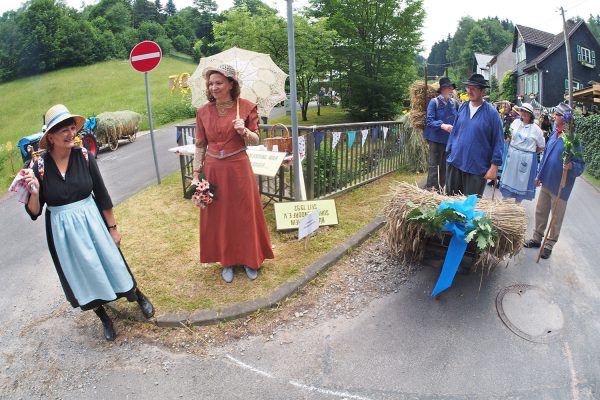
(589, 129)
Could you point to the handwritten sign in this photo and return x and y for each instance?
(265, 163)
(308, 224)
(288, 215)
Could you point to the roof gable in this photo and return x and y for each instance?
(532, 36)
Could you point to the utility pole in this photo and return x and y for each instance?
(568, 50)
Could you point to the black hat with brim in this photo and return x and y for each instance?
(476, 80)
(445, 82)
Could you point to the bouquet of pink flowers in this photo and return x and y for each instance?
(204, 195)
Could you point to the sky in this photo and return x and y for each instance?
(442, 16)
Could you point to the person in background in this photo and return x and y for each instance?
(520, 168)
(546, 125)
(81, 230)
(549, 177)
(441, 112)
(233, 230)
(474, 150)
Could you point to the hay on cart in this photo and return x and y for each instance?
(111, 126)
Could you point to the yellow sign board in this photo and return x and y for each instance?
(265, 163)
(288, 215)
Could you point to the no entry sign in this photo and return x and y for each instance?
(145, 56)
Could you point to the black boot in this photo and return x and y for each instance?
(109, 330)
(145, 305)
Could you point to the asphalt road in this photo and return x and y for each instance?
(402, 346)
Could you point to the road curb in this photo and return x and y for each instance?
(210, 317)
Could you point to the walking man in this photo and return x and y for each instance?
(441, 113)
(474, 150)
(549, 177)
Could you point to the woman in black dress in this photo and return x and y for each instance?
(83, 241)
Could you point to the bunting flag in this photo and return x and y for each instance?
(301, 147)
(365, 133)
(319, 135)
(375, 134)
(351, 137)
(335, 139)
(385, 131)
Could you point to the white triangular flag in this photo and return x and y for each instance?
(385, 130)
(335, 139)
(301, 147)
(365, 133)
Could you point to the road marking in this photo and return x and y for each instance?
(251, 368)
(345, 395)
(574, 381)
(145, 56)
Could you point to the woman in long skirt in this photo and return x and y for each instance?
(233, 230)
(527, 139)
(81, 231)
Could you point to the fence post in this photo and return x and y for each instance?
(310, 171)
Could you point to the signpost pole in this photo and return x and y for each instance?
(151, 126)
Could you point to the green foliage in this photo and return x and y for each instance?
(433, 221)
(437, 56)
(589, 134)
(175, 109)
(593, 23)
(508, 86)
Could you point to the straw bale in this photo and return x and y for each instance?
(116, 124)
(419, 102)
(407, 239)
(416, 149)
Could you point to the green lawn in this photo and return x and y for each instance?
(329, 115)
(591, 179)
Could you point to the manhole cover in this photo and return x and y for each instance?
(528, 312)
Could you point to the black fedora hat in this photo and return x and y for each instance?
(445, 82)
(476, 80)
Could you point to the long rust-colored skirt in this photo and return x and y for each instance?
(233, 230)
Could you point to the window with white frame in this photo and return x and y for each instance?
(586, 56)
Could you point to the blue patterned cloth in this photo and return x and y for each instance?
(89, 257)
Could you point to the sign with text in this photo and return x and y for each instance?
(265, 163)
(308, 224)
(288, 215)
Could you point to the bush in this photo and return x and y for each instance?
(589, 130)
(177, 108)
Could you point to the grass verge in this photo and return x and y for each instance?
(329, 115)
(160, 242)
(591, 179)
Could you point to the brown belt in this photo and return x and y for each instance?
(223, 155)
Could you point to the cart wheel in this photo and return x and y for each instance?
(89, 142)
(113, 144)
(132, 137)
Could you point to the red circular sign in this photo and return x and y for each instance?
(145, 56)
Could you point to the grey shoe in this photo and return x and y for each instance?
(252, 273)
(531, 243)
(227, 274)
(546, 253)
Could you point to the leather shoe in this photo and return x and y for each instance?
(109, 330)
(546, 253)
(145, 305)
(531, 244)
(227, 274)
(252, 273)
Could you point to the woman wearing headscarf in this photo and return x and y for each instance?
(520, 168)
(233, 230)
(81, 230)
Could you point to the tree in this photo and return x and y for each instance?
(376, 54)
(593, 23)
(142, 10)
(509, 86)
(170, 8)
(255, 7)
(437, 57)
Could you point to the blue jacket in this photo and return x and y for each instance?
(476, 143)
(438, 114)
(550, 171)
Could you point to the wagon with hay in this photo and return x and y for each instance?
(113, 126)
(502, 238)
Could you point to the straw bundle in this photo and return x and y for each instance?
(407, 239)
(419, 100)
(117, 124)
(415, 147)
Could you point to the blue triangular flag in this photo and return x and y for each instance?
(351, 137)
(319, 135)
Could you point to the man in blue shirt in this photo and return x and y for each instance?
(475, 144)
(549, 177)
(441, 113)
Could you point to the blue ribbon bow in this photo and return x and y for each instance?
(458, 243)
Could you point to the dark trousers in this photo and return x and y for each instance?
(437, 165)
(460, 182)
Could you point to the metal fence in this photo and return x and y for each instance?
(338, 157)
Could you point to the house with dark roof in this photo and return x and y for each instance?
(541, 62)
(480, 64)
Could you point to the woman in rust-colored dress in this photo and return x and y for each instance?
(233, 230)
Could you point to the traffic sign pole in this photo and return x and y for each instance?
(144, 57)
(151, 126)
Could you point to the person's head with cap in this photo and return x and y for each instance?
(476, 85)
(560, 111)
(60, 128)
(526, 112)
(222, 83)
(446, 87)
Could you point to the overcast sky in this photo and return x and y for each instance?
(442, 15)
